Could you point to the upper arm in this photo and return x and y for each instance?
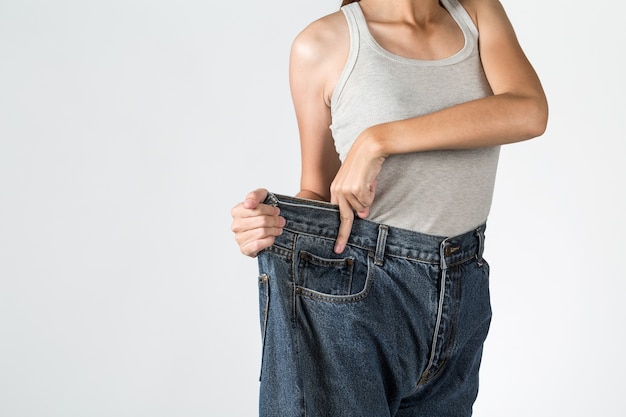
(506, 66)
(315, 65)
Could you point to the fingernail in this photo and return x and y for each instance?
(338, 248)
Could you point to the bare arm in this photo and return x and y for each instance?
(316, 62)
(517, 111)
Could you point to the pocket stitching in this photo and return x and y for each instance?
(342, 299)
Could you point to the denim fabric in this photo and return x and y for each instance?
(394, 326)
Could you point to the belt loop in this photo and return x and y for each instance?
(271, 199)
(381, 242)
(480, 235)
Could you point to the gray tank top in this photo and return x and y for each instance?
(442, 193)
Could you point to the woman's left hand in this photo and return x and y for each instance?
(354, 186)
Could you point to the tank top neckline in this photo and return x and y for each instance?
(460, 19)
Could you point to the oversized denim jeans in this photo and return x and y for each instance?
(394, 326)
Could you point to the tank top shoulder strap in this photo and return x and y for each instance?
(463, 19)
(354, 14)
(355, 19)
(356, 24)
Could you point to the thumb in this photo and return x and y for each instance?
(254, 198)
(366, 211)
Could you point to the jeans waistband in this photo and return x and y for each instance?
(322, 219)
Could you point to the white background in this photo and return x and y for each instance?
(129, 128)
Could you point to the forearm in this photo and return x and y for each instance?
(493, 120)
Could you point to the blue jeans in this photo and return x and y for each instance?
(394, 326)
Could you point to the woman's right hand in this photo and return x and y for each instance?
(255, 224)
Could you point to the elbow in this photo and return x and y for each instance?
(541, 119)
(536, 118)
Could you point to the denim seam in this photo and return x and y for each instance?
(292, 262)
(264, 284)
(280, 251)
(450, 342)
(442, 296)
(294, 324)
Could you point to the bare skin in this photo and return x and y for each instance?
(420, 29)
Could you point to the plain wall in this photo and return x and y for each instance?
(128, 130)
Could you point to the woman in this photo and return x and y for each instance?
(401, 109)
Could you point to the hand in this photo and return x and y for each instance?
(354, 186)
(256, 224)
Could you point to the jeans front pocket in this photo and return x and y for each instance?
(325, 275)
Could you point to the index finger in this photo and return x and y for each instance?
(346, 216)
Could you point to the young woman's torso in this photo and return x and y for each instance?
(385, 69)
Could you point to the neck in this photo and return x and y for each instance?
(411, 11)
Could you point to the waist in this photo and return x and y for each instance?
(321, 219)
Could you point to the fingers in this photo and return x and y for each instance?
(251, 242)
(350, 202)
(244, 217)
(346, 216)
(256, 233)
(256, 225)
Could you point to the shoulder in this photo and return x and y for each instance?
(318, 55)
(321, 40)
(482, 10)
(475, 5)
